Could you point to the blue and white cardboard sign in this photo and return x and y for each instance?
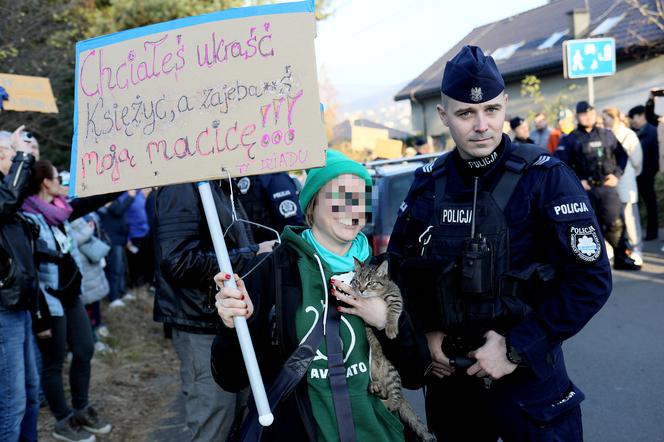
(591, 57)
(176, 102)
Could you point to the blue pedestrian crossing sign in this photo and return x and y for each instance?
(591, 57)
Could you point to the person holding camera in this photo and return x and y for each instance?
(19, 380)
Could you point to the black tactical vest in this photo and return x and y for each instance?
(464, 270)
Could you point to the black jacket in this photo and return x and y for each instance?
(276, 293)
(650, 145)
(185, 259)
(19, 283)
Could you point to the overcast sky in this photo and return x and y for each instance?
(378, 43)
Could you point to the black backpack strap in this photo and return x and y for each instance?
(337, 377)
(521, 158)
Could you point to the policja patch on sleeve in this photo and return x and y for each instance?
(585, 243)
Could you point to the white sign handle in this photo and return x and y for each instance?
(265, 416)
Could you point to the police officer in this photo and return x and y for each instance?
(502, 260)
(598, 159)
(270, 200)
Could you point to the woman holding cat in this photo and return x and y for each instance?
(296, 296)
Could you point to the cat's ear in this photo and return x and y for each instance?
(382, 269)
(358, 264)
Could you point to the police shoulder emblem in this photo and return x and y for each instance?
(243, 184)
(287, 208)
(585, 243)
(476, 94)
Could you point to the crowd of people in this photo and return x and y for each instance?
(498, 251)
(616, 156)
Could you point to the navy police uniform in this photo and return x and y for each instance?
(593, 155)
(543, 273)
(270, 200)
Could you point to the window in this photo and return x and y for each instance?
(552, 40)
(607, 25)
(505, 52)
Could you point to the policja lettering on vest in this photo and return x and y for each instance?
(490, 223)
(457, 216)
(571, 208)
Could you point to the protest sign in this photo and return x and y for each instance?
(28, 94)
(178, 101)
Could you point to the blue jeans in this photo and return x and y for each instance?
(19, 382)
(116, 268)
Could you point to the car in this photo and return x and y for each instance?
(391, 181)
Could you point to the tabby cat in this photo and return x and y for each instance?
(368, 281)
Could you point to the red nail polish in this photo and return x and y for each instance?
(242, 297)
(333, 280)
(338, 309)
(227, 276)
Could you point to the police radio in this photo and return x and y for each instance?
(476, 259)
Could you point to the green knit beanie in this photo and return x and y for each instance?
(336, 164)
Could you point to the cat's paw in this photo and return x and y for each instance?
(377, 389)
(428, 437)
(391, 330)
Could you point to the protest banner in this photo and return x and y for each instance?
(178, 101)
(192, 99)
(28, 94)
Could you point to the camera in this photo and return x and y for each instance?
(657, 92)
(27, 136)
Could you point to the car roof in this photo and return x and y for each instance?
(399, 166)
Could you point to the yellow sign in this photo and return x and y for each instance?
(388, 149)
(28, 94)
(181, 101)
(364, 138)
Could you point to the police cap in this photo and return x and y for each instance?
(472, 77)
(583, 107)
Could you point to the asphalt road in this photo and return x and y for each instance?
(617, 360)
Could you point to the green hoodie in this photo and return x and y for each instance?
(373, 421)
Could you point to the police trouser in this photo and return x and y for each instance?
(461, 408)
(609, 211)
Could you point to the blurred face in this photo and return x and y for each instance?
(540, 122)
(52, 185)
(607, 120)
(343, 206)
(638, 121)
(476, 128)
(587, 119)
(522, 131)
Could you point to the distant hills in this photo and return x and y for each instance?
(377, 105)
